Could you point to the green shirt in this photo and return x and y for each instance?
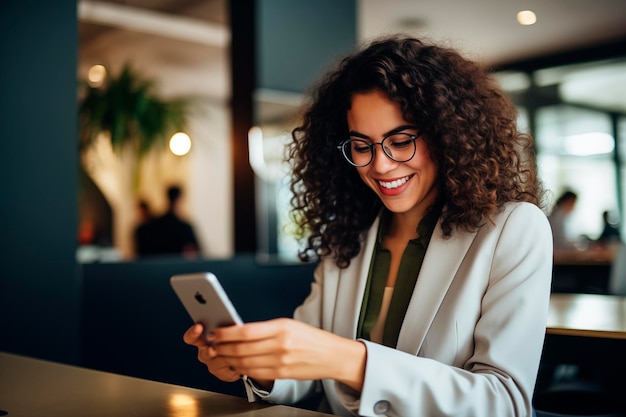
(409, 269)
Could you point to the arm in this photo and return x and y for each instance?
(283, 359)
(311, 353)
(286, 348)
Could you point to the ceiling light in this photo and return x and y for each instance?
(586, 144)
(526, 17)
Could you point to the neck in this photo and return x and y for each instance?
(404, 225)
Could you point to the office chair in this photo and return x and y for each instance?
(617, 277)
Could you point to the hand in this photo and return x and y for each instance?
(286, 348)
(208, 356)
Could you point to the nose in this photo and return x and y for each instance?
(381, 162)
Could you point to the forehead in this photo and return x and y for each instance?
(374, 112)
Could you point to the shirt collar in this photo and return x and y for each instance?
(424, 229)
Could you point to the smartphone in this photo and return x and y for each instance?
(205, 300)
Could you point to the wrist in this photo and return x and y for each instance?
(264, 384)
(350, 364)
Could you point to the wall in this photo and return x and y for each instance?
(39, 291)
(298, 41)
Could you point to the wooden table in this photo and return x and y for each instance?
(587, 332)
(584, 347)
(588, 315)
(32, 387)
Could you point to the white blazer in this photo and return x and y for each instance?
(471, 340)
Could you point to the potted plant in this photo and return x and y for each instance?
(119, 122)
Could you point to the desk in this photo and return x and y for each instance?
(589, 332)
(594, 256)
(32, 387)
(588, 315)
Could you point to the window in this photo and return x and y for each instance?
(575, 151)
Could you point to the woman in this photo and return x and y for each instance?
(420, 198)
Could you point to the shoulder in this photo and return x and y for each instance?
(516, 221)
(523, 224)
(521, 212)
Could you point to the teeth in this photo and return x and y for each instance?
(394, 184)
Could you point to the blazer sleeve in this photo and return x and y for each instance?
(498, 377)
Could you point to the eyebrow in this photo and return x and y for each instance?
(391, 132)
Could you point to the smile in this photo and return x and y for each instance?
(395, 183)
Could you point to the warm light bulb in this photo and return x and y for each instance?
(180, 144)
(526, 17)
(96, 75)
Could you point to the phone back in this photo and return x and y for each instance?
(205, 300)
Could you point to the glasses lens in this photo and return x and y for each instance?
(399, 147)
(358, 152)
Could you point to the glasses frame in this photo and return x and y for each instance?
(345, 149)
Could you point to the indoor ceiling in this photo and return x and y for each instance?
(488, 30)
(184, 43)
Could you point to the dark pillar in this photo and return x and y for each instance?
(282, 45)
(243, 71)
(39, 284)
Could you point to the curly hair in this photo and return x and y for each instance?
(466, 120)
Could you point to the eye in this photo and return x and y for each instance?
(360, 146)
(399, 141)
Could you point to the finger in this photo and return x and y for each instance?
(248, 348)
(220, 368)
(251, 331)
(206, 354)
(193, 336)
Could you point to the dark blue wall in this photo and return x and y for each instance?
(129, 304)
(298, 40)
(39, 292)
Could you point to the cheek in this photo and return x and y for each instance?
(424, 161)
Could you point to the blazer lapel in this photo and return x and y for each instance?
(441, 262)
(351, 287)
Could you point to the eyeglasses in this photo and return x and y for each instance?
(399, 147)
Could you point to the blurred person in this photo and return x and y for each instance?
(420, 200)
(610, 231)
(144, 213)
(168, 234)
(144, 216)
(563, 207)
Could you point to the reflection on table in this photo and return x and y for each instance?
(589, 315)
(32, 387)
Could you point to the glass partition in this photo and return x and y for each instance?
(575, 152)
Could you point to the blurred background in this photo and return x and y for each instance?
(566, 71)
